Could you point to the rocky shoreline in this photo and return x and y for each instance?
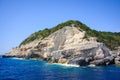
(68, 46)
(79, 60)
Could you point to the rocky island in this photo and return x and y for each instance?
(71, 42)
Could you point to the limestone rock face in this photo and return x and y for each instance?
(117, 57)
(67, 45)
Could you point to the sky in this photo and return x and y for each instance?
(20, 18)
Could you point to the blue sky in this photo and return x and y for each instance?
(20, 18)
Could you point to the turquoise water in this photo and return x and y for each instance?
(16, 69)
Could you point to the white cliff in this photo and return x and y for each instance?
(67, 45)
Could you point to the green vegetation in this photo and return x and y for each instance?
(112, 40)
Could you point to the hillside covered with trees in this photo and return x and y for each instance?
(111, 39)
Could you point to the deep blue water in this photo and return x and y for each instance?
(15, 69)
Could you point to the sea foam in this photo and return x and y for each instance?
(92, 65)
(18, 58)
(67, 65)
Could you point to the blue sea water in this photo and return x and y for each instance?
(16, 69)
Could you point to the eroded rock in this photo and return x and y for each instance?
(67, 45)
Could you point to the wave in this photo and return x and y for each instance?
(67, 65)
(91, 65)
(19, 58)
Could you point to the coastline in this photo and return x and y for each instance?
(60, 64)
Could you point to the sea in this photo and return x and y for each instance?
(22, 69)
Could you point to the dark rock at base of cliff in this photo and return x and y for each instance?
(82, 62)
(32, 54)
(103, 62)
(4, 56)
(99, 56)
(10, 56)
